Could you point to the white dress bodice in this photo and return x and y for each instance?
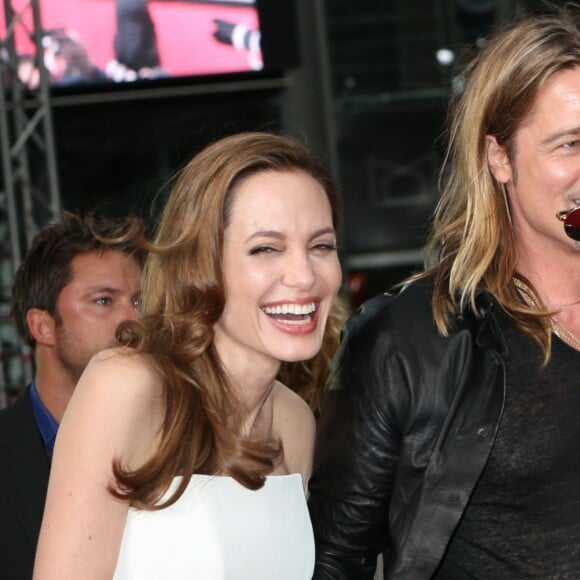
(219, 529)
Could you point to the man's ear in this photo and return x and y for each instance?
(498, 160)
(41, 326)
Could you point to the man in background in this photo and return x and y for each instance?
(78, 281)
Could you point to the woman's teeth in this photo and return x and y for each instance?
(296, 309)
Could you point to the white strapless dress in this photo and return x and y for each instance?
(219, 529)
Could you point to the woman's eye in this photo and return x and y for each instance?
(325, 247)
(262, 250)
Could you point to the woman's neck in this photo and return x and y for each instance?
(258, 412)
(252, 386)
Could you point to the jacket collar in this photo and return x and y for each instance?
(488, 334)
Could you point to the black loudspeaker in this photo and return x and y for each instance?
(389, 162)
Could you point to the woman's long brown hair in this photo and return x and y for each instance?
(183, 297)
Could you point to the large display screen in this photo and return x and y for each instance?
(88, 42)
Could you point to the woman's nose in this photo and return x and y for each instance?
(298, 272)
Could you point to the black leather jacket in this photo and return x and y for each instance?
(407, 424)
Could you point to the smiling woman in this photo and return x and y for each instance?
(205, 455)
(281, 270)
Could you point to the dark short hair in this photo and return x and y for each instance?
(46, 268)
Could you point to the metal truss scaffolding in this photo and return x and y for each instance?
(30, 191)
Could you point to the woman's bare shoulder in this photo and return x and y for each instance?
(120, 389)
(121, 357)
(295, 425)
(123, 366)
(289, 406)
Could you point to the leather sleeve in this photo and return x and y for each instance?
(357, 448)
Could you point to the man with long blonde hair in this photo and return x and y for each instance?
(449, 432)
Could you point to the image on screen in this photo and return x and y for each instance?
(122, 41)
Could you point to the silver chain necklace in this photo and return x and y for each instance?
(565, 334)
(558, 328)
